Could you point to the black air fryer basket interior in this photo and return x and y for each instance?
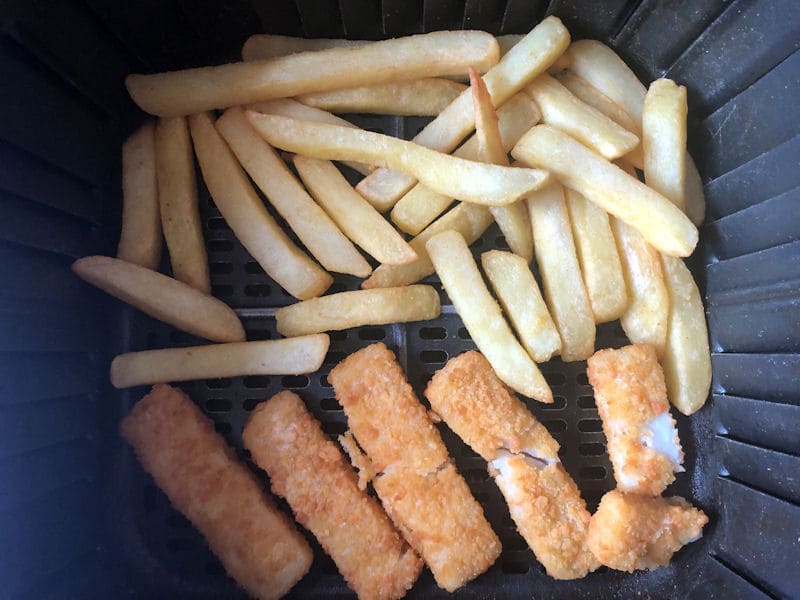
(79, 518)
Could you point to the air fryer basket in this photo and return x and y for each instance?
(79, 518)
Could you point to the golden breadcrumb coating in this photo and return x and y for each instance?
(630, 393)
(257, 544)
(441, 519)
(473, 401)
(308, 469)
(630, 531)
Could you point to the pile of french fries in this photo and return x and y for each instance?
(579, 125)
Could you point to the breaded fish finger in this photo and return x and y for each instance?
(256, 543)
(308, 469)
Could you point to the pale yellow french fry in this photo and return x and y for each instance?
(589, 94)
(177, 199)
(519, 294)
(482, 316)
(470, 220)
(292, 356)
(661, 223)
(355, 216)
(565, 111)
(664, 140)
(264, 45)
(286, 107)
(421, 205)
(557, 258)
(686, 359)
(162, 297)
(361, 307)
(693, 193)
(318, 233)
(247, 216)
(480, 183)
(196, 90)
(529, 57)
(141, 237)
(598, 257)
(421, 97)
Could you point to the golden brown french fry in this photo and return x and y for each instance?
(561, 109)
(686, 359)
(423, 97)
(140, 239)
(519, 294)
(480, 183)
(292, 356)
(598, 258)
(531, 56)
(470, 220)
(664, 140)
(482, 316)
(162, 297)
(318, 233)
(661, 223)
(564, 289)
(361, 307)
(421, 205)
(177, 198)
(589, 94)
(512, 219)
(286, 107)
(355, 216)
(427, 55)
(264, 45)
(244, 211)
(693, 193)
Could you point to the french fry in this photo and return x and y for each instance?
(361, 307)
(512, 219)
(561, 109)
(529, 57)
(140, 239)
(292, 356)
(686, 359)
(162, 297)
(318, 233)
(470, 220)
(192, 91)
(480, 183)
(660, 222)
(423, 97)
(564, 288)
(263, 46)
(286, 107)
(482, 316)
(519, 294)
(177, 199)
(355, 216)
(421, 205)
(664, 140)
(247, 216)
(693, 193)
(598, 258)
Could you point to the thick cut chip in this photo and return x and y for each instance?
(589, 94)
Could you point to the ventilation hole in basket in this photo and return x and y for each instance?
(590, 425)
(591, 449)
(323, 381)
(558, 403)
(250, 403)
(433, 333)
(256, 381)
(149, 495)
(150, 339)
(433, 357)
(222, 291)
(337, 336)
(555, 425)
(371, 333)
(259, 334)
(501, 243)
(218, 384)
(582, 379)
(177, 521)
(295, 381)
(514, 567)
(464, 334)
(334, 427)
(217, 223)
(475, 475)
(219, 245)
(586, 402)
(333, 357)
(176, 545)
(220, 268)
(214, 569)
(329, 404)
(593, 473)
(260, 290)
(253, 268)
(554, 378)
(218, 405)
(223, 428)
